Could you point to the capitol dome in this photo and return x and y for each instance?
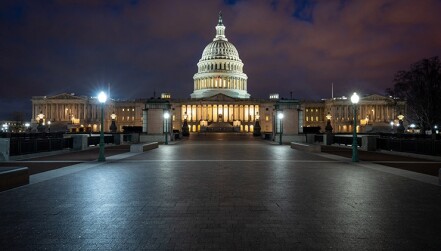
(220, 69)
(220, 49)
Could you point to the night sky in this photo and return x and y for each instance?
(80, 46)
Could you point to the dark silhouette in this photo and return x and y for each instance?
(420, 86)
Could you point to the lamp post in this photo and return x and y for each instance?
(328, 127)
(280, 117)
(49, 126)
(113, 127)
(257, 128)
(102, 97)
(400, 128)
(166, 117)
(40, 122)
(354, 99)
(185, 130)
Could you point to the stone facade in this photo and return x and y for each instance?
(219, 102)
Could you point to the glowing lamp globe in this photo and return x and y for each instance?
(355, 98)
(102, 97)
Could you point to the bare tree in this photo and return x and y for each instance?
(420, 86)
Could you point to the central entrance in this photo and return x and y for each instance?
(220, 116)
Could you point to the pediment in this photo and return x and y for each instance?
(65, 96)
(219, 97)
(375, 97)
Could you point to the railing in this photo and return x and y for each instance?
(42, 135)
(419, 146)
(346, 140)
(95, 140)
(318, 138)
(20, 146)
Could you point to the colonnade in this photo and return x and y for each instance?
(220, 82)
(220, 66)
(65, 111)
(220, 112)
(373, 113)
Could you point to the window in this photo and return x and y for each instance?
(266, 118)
(123, 109)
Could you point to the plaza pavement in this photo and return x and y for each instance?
(217, 192)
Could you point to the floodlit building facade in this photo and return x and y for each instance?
(220, 102)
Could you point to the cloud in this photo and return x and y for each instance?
(142, 46)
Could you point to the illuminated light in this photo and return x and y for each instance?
(102, 97)
(412, 126)
(166, 115)
(329, 116)
(280, 116)
(400, 117)
(355, 98)
(27, 124)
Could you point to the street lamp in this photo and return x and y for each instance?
(400, 128)
(257, 128)
(40, 122)
(328, 127)
(102, 98)
(354, 99)
(280, 117)
(185, 130)
(166, 117)
(113, 127)
(49, 126)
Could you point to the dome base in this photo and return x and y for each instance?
(205, 93)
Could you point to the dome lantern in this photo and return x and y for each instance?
(220, 29)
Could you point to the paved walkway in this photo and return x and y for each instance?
(217, 193)
(47, 162)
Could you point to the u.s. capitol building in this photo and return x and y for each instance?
(220, 102)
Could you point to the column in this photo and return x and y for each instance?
(199, 112)
(144, 120)
(204, 112)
